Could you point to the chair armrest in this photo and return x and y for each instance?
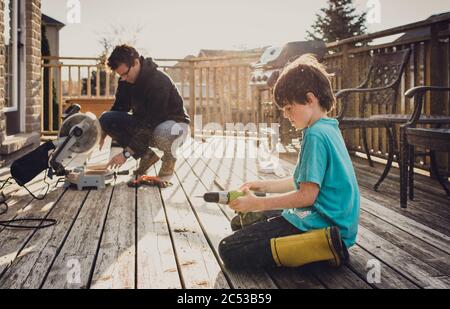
(418, 93)
(345, 92)
(422, 89)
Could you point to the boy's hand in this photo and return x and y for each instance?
(247, 203)
(257, 186)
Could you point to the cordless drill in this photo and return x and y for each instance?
(226, 197)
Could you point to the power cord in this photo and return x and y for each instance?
(21, 223)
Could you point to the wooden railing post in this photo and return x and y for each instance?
(438, 72)
(192, 101)
(347, 82)
(437, 77)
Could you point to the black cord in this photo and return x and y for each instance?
(14, 223)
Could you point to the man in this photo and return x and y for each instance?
(157, 119)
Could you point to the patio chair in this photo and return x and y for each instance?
(381, 87)
(433, 139)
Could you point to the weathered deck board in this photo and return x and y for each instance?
(156, 264)
(411, 244)
(197, 263)
(409, 266)
(19, 199)
(419, 230)
(80, 247)
(115, 263)
(38, 250)
(418, 210)
(152, 238)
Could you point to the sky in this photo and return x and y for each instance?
(177, 28)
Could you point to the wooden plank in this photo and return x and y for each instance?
(198, 266)
(360, 259)
(19, 199)
(39, 248)
(417, 210)
(414, 269)
(81, 245)
(115, 262)
(417, 248)
(423, 203)
(425, 186)
(408, 225)
(20, 205)
(156, 263)
(427, 207)
(208, 95)
(214, 223)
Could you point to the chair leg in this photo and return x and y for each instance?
(388, 166)
(410, 162)
(366, 147)
(435, 170)
(403, 163)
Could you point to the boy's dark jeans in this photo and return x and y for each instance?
(124, 128)
(249, 247)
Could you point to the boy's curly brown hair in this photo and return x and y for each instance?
(304, 75)
(122, 54)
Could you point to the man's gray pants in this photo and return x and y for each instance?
(127, 132)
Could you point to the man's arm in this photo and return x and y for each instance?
(122, 101)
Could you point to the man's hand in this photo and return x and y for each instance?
(117, 161)
(247, 203)
(102, 140)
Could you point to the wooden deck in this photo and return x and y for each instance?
(151, 238)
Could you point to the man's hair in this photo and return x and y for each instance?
(298, 78)
(122, 54)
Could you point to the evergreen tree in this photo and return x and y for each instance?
(337, 22)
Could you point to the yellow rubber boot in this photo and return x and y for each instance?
(313, 246)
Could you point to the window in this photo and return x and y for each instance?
(13, 50)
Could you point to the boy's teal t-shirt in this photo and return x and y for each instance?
(324, 160)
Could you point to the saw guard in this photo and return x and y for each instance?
(90, 125)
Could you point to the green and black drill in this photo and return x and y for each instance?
(226, 197)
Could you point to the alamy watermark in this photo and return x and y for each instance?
(373, 268)
(74, 273)
(373, 12)
(73, 11)
(234, 140)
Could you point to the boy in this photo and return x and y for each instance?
(320, 203)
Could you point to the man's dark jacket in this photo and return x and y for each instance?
(153, 98)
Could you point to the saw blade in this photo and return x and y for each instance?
(91, 131)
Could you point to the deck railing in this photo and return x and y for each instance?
(218, 88)
(428, 65)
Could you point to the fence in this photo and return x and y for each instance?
(428, 65)
(218, 88)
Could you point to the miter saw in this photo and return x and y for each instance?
(79, 135)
